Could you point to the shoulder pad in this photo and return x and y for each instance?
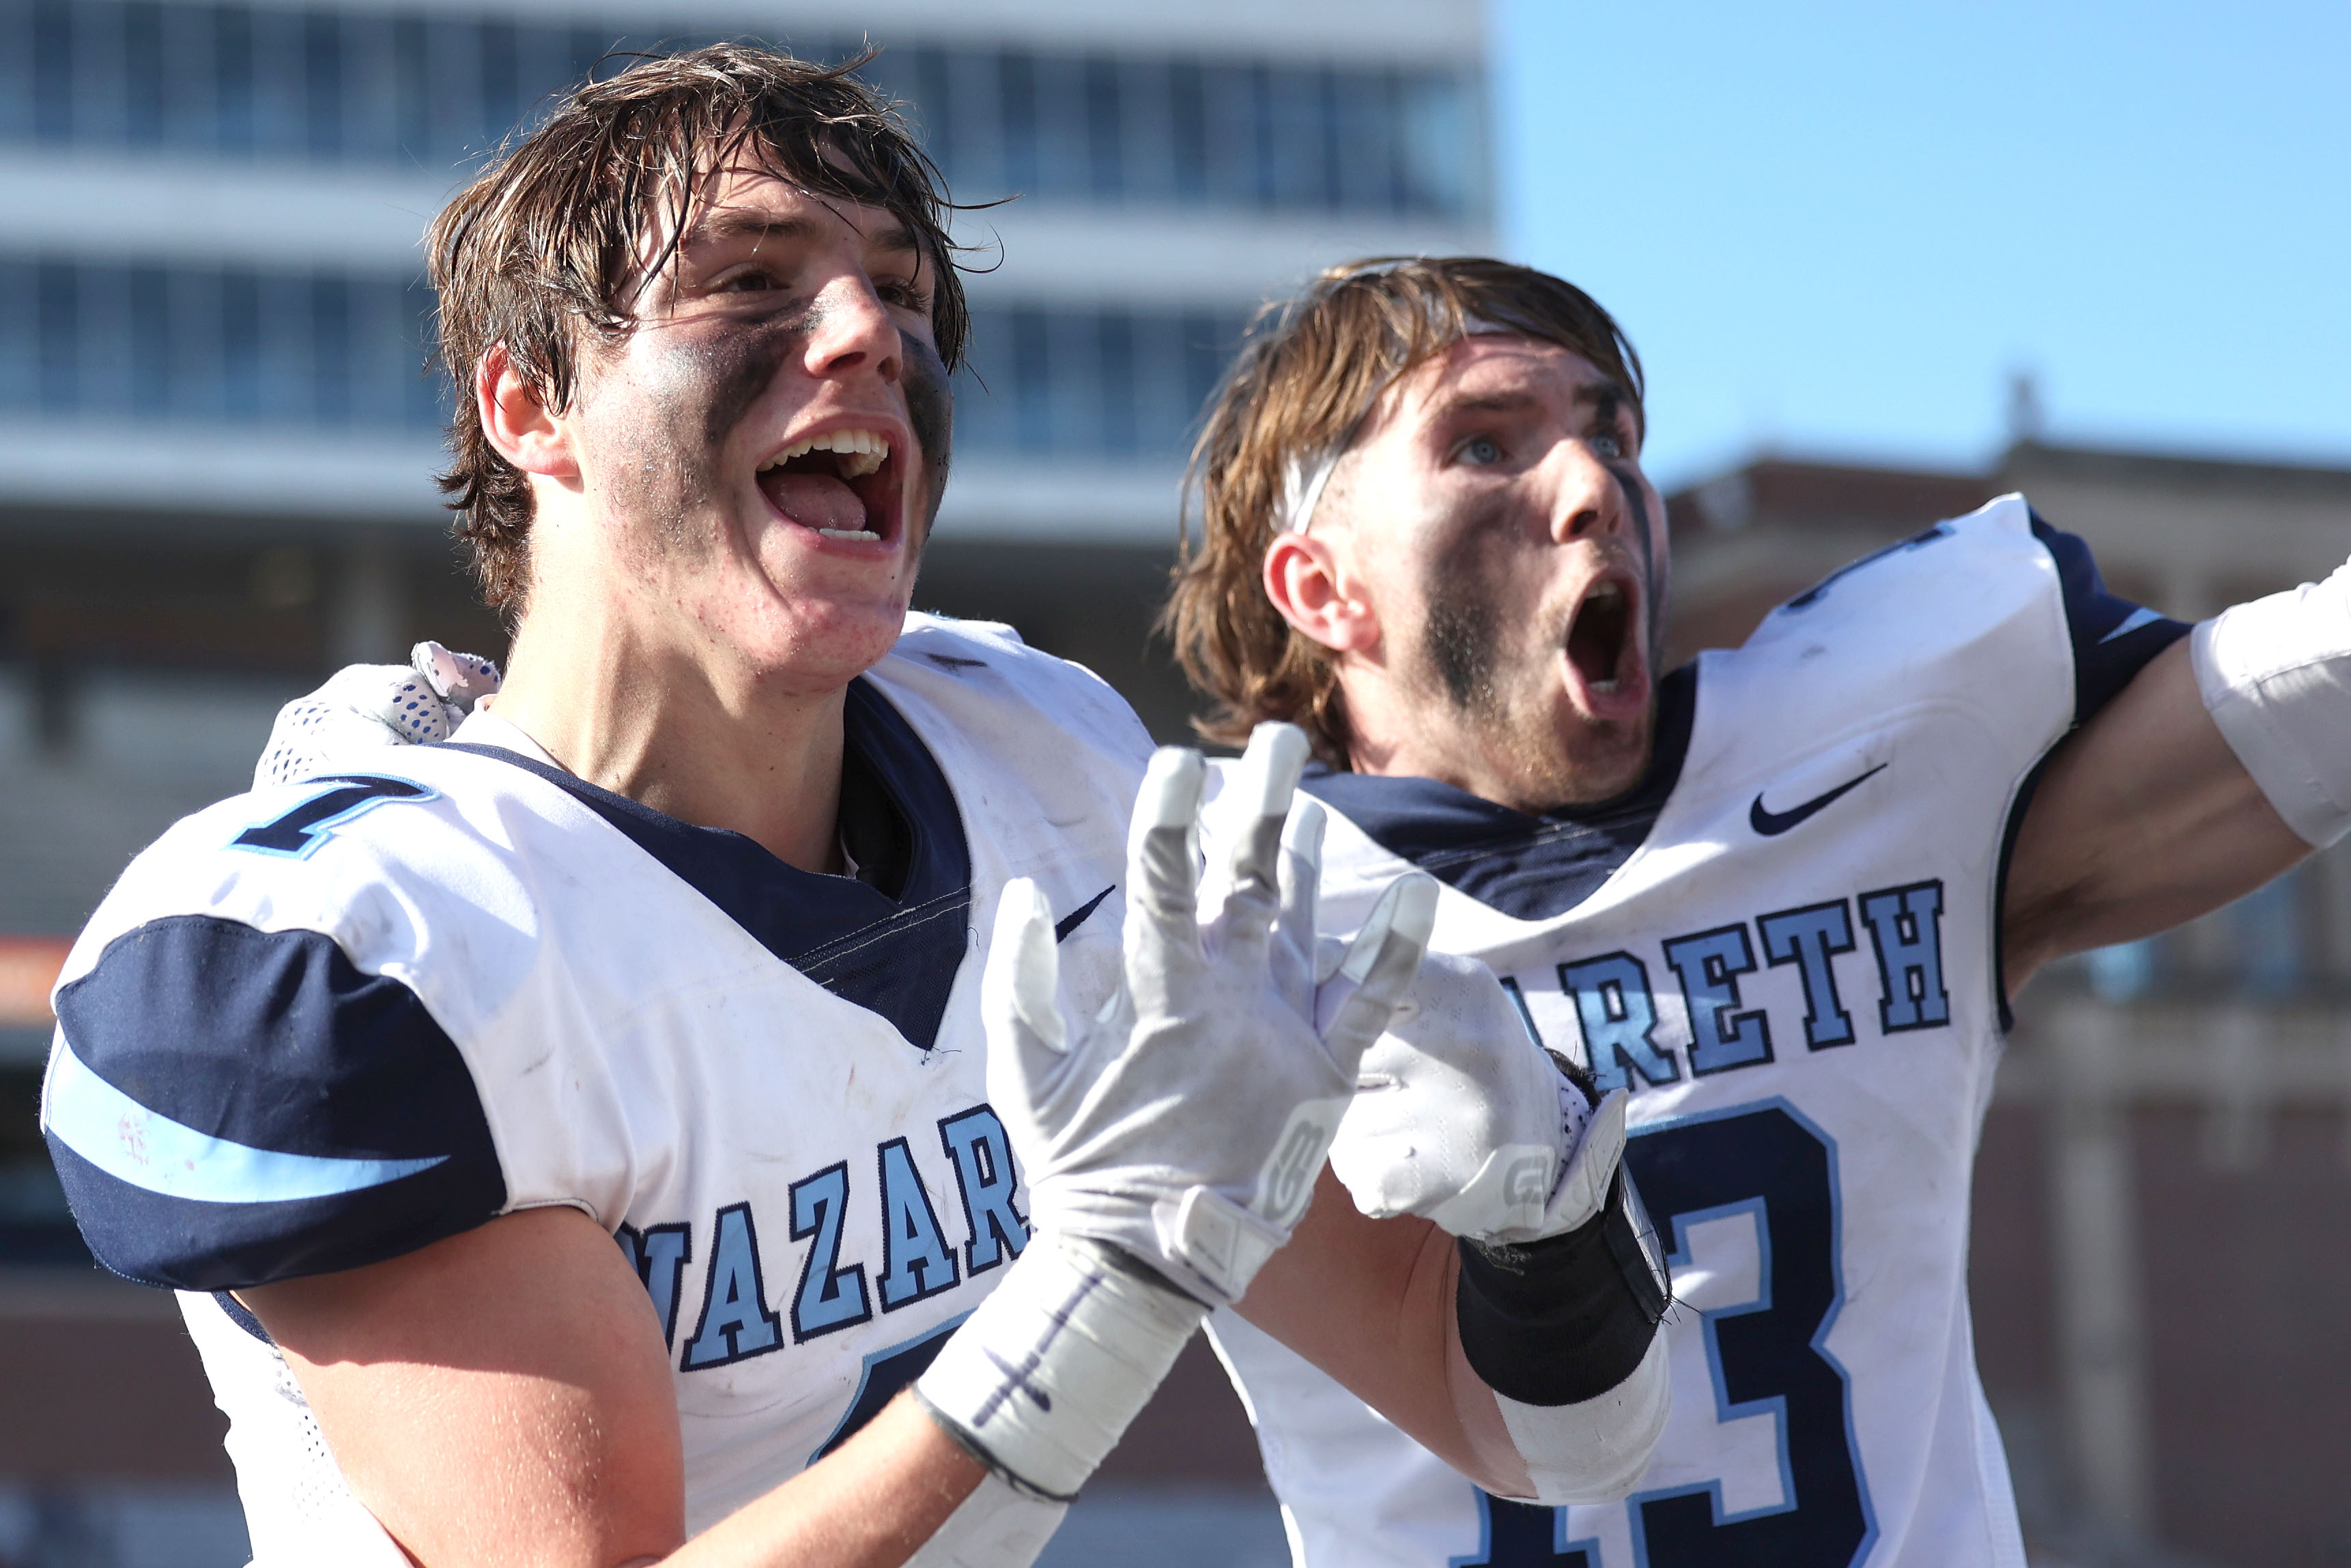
(229, 1106)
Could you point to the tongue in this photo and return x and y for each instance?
(814, 500)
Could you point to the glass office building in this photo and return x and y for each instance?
(219, 425)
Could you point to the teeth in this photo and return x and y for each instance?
(866, 534)
(862, 451)
(1603, 688)
(1608, 593)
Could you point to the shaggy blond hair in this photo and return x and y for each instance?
(1306, 376)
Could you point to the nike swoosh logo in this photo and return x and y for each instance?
(1771, 824)
(1077, 917)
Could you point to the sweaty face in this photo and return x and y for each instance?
(768, 442)
(1496, 516)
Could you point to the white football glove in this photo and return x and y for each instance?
(1186, 1123)
(1461, 1118)
(1464, 1120)
(364, 708)
(1170, 1142)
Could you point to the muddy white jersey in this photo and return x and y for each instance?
(1784, 944)
(330, 1023)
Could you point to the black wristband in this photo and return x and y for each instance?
(1565, 1319)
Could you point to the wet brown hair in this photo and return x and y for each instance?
(1307, 374)
(543, 253)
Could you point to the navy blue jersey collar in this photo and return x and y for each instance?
(1528, 867)
(889, 941)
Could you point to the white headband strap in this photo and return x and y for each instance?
(1301, 491)
(1302, 479)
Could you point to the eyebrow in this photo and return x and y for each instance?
(1604, 397)
(1489, 403)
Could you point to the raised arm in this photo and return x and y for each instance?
(2223, 764)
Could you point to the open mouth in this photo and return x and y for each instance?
(1602, 641)
(843, 483)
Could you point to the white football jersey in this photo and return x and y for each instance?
(329, 1022)
(1785, 945)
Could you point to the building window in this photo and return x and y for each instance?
(1112, 384)
(428, 91)
(81, 338)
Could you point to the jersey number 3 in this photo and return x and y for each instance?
(1767, 1358)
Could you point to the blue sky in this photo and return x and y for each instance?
(1836, 229)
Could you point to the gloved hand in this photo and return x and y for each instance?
(1461, 1118)
(364, 707)
(1186, 1124)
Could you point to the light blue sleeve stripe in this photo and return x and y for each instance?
(149, 1150)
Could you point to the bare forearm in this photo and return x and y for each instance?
(872, 1504)
(1370, 1302)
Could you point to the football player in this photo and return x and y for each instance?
(1782, 895)
(686, 944)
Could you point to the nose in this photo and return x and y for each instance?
(1588, 500)
(850, 329)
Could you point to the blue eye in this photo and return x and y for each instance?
(1606, 445)
(1482, 451)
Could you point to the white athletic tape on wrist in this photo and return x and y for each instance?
(2275, 675)
(1044, 1377)
(1596, 1449)
(998, 1526)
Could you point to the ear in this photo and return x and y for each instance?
(1310, 587)
(517, 421)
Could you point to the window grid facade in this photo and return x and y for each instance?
(84, 340)
(434, 92)
(212, 345)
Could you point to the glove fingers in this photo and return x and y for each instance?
(1293, 954)
(1017, 992)
(1257, 797)
(459, 679)
(1163, 874)
(1378, 970)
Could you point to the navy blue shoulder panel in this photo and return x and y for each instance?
(892, 950)
(1529, 867)
(2112, 639)
(234, 1106)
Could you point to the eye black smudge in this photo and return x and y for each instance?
(1461, 636)
(1636, 502)
(1458, 639)
(743, 365)
(930, 409)
(707, 386)
(702, 389)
